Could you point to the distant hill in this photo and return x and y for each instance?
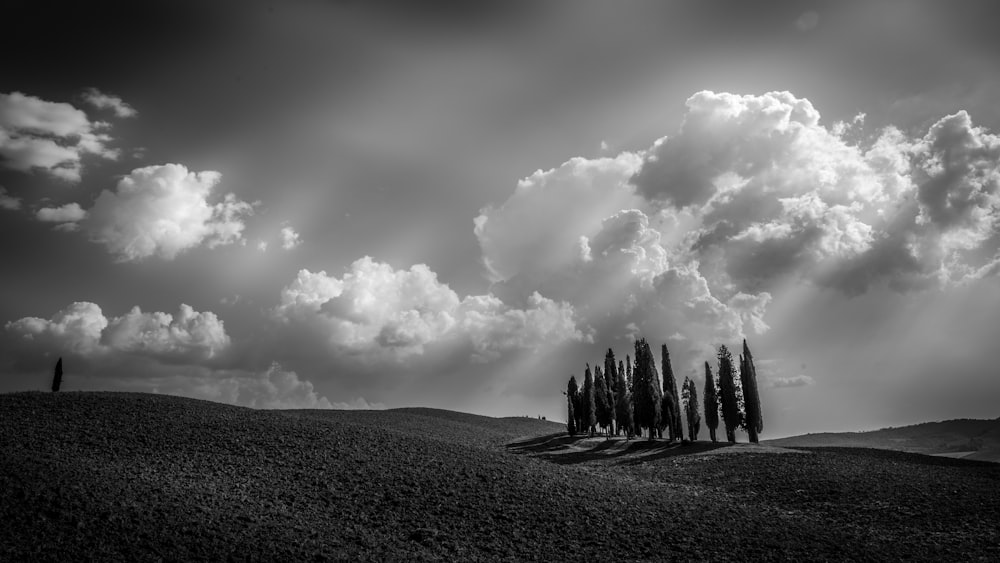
(964, 438)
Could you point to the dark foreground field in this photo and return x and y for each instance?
(100, 476)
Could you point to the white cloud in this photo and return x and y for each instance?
(50, 136)
(540, 225)
(9, 202)
(384, 314)
(76, 328)
(163, 211)
(83, 329)
(273, 388)
(262, 245)
(358, 403)
(100, 100)
(69, 213)
(793, 381)
(190, 335)
(289, 238)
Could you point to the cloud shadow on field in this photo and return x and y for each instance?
(569, 450)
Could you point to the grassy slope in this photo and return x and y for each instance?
(982, 437)
(142, 477)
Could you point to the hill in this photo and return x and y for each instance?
(963, 438)
(133, 477)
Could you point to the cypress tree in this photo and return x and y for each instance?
(604, 411)
(57, 376)
(623, 406)
(647, 388)
(711, 403)
(753, 422)
(727, 394)
(670, 386)
(572, 390)
(690, 394)
(587, 402)
(667, 416)
(611, 377)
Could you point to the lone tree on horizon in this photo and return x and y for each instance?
(690, 396)
(587, 402)
(572, 392)
(57, 376)
(670, 387)
(753, 422)
(647, 388)
(711, 403)
(731, 416)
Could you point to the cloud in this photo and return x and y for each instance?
(380, 314)
(9, 202)
(190, 336)
(807, 21)
(262, 245)
(76, 329)
(100, 100)
(539, 226)
(793, 381)
(289, 238)
(49, 136)
(164, 211)
(773, 194)
(82, 329)
(69, 213)
(358, 404)
(273, 388)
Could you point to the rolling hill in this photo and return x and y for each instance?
(962, 438)
(134, 477)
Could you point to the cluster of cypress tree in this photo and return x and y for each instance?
(627, 398)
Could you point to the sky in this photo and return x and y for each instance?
(459, 205)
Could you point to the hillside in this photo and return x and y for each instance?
(133, 477)
(964, 438)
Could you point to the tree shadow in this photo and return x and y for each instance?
(564, 449)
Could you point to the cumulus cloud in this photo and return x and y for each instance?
(774, 193)
(273, 388)
(101, 100)
(793, 381)
(358, 404)
(48, 136)
(377, 312)
(540, 224)
(8, 201)
(289, 238)
(76, 328)
(163, 211)
(69, 213)
(83, 329)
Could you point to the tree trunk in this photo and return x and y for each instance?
(711, 434)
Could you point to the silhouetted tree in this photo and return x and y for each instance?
(57, 376)
(667, 416)
(623, 406)
(753, 422)
(690, 396)
(572, 390)
(587, 402)
(604, 410)
(670, 386)
(711, 403)
(727, 394)
(647, 388)
(611, 377)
